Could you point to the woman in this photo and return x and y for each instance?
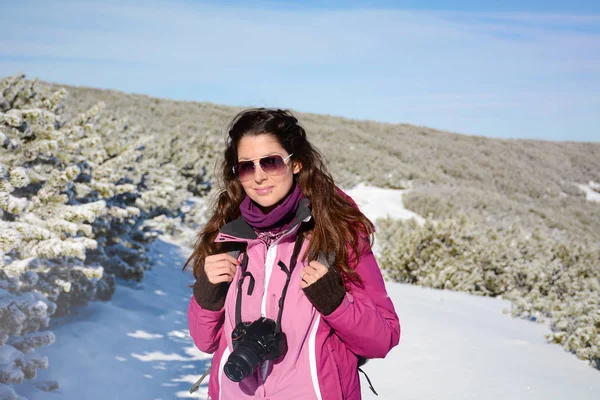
(288, 294)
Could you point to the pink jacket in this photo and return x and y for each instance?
(321, 360)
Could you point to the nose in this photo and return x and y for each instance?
(259, 174)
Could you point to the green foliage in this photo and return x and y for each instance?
(543, 276)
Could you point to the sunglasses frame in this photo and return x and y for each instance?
(285, 160)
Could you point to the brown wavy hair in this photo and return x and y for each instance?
(338, 224)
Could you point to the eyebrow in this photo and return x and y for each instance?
(256, 158)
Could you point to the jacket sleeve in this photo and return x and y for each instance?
(206, 326)
(366, 320)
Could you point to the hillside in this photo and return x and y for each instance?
(90, 178)
(499, 180)
(504, 218)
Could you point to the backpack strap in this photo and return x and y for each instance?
(369, 381)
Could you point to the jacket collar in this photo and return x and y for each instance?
(241, 229)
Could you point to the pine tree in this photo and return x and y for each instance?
(80, 199)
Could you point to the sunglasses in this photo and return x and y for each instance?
(271, 165)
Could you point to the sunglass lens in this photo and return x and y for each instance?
(245, 170)
(273, 165)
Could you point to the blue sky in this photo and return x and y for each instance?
(511, 69)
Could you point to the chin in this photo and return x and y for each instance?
(265, 203)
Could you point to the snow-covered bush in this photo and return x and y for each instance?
(46, 224)
(542, 276)
(81, 194)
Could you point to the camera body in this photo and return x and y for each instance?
(253, 343)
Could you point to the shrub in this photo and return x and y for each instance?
(542, 276)
(81, 195)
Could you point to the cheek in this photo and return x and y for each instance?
(247, 186)
(287, 177)
(285, 182)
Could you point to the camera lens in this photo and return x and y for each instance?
(233, 370)
(243, 361)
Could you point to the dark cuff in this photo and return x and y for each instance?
(208, 295)
(327, 293)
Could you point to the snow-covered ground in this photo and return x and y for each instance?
(377, 203)
(592, 191)
(137, 346)
(453, 345)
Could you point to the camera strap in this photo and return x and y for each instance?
(288, 272)
(238, 302)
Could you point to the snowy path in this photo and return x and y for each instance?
(136, 346)
(459, 346)
(453, 346)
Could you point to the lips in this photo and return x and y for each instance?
(264, 191)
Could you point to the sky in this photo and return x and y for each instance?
(509, 69)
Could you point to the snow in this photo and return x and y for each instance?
(592, 191)
(377, 202)
(136, 346)
(145, 335)
(459, 346)
(453, 345)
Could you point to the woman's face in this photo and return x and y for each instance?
(266, 190)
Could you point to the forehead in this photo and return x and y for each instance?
(254, 146)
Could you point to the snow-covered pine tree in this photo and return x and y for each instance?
(61, 194)
(180, 170)
(81, 194)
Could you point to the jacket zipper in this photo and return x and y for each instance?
(228, 238)
(272, 250)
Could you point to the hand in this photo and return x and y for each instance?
(220, 268)
(312, 273)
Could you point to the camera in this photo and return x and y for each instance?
(253, 343)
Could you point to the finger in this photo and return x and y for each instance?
(316, 273)
(232, 270)
(317, 266)
(309, 271)
(223, 256)
(304, 272)
(222, 270)
(220, 275)
(223, 264)
(309, 279)
(216, 271)
(309, 276)
(212, 272)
